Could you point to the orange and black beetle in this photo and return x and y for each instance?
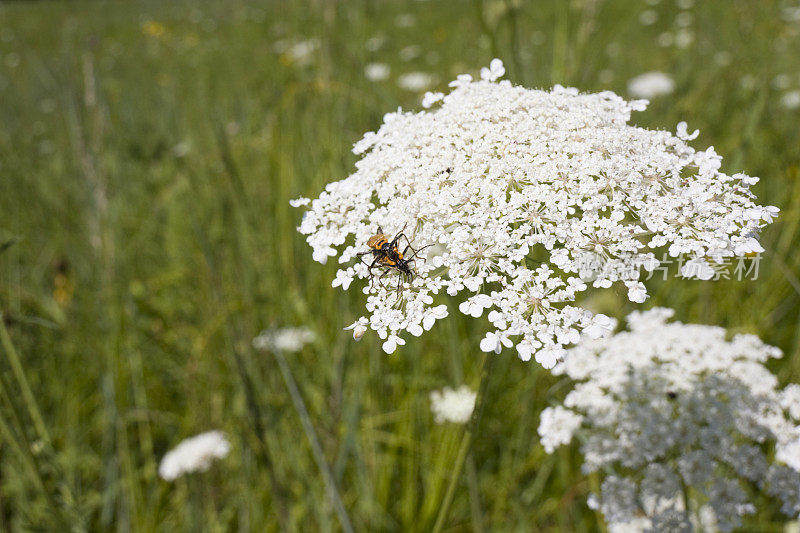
(387, 255)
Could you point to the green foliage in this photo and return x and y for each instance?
(148, 151)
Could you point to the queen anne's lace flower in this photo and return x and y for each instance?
(453, 405)
(526, 198)
(676, 410)
(194, 455)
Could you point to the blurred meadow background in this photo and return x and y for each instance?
(148, 151)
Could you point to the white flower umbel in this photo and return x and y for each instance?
(194, 455)
(526, 199)
(679, 418)
(650, 85)
(452, 405)
(284, 339)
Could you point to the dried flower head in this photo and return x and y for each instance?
(526, 198)
(359, 328)
(452, 405)
(194, 454)
(681, 420)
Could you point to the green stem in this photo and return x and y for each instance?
(474, 495)
(685, 496)
(490, 32)
(19, 374)
(262, 451)
(560, 44)
(749, 130)
(466, 444)
(308, 427)
(23, 447)
(512, 13)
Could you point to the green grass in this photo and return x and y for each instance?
(145, 173)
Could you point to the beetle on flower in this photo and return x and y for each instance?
(528, 199)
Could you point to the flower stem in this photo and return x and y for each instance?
(561, 44)
(316, 448)
(22, 381)
(686, 500)
(466, 444)
(474, 495)
(19, 440)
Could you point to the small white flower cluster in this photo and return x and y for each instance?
(194, 454)
(284, 339)
(452, 405)
(377, 71)
(650, 85)
(675, 411)
(525, 198)
(791, 99)
(415, 81)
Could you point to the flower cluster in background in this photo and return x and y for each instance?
(683, 423)
(651, 85)
(284, 339)
(450, 405)
(789, 87)
(415, 81)
(377, 71)
(194, 454)
(516, 191)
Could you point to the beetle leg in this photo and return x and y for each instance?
(380, 278)
(370, 267)
(408, 243)
(399, 286)
(414, 263)
(360, 258)
(399, 234)
(414, 255)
